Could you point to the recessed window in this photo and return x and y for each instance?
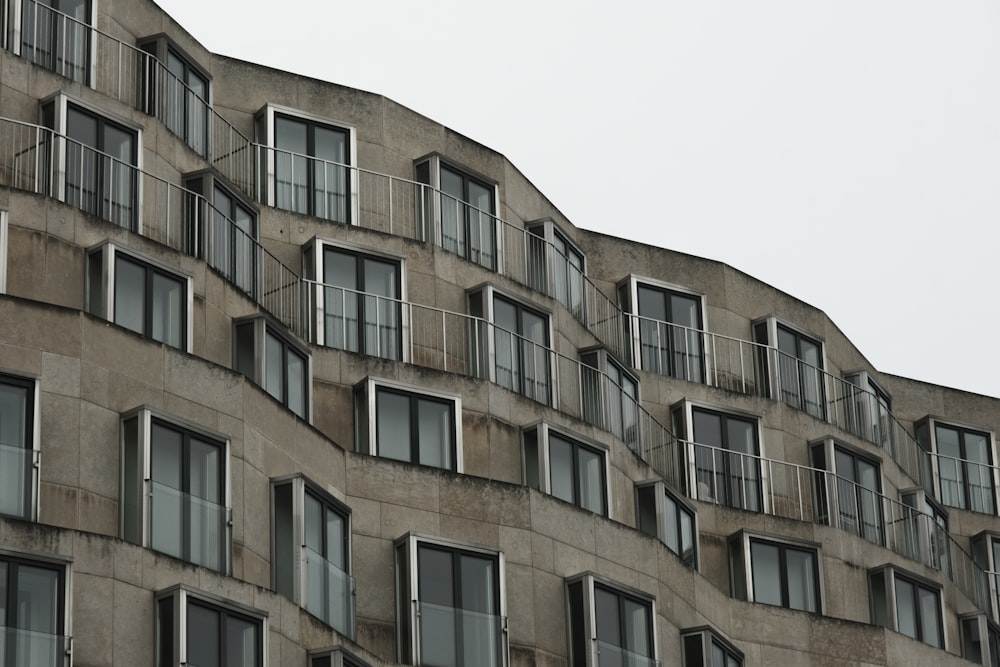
(704, 647)
(870, 416)
(725, 451)
(140, 295)
(312, 551)
(33, 612)
(566, 468)
(450, 603)
(399, 422)
(56, 35)
(556, 266)
(194, 628)
(265, 353)
(335, 657)
(609, 624)
(516, 337)
(667, 328)
(610, 396)
(925, 530)
(175, 489)
(963, 464)
(852, 499)
(359, 301)
(793, 366)
(18, 447)
(308, 166)
(907, 604)
(176, 90)
(459, 211)
(980, 639)
(775, 572)
(222, 229)
(667, 516)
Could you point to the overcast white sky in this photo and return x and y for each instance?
(845, 151)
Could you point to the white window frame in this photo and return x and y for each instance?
(607, 395)
(15, 39)
(889, 571)
(338, 657)
(549, 231)
(984, 627)
(929, 440)
(833, 483)
(4, 258)
(589, 581)
(774, 387)
(708, 636)
(543, 430)
(660, 490)
(33, 496)
(52, 561)
(741, 566)
(262, 326)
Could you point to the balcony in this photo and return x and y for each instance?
(188, 527)
(21, 647)
(17, 466)
(329, 593)
(449, 636)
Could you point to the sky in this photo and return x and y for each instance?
(845, 151)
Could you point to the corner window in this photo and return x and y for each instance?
(704, 647)
(980, 639)
(556, 266)
(986, 554)
(175, 90)
(335, 657)
(793, 366)
(140, 295)
(609, 625)
(907, 604)
(33, 612)
(722, 454)
(667, 326)
(265, 354)
(852, 498)
(96, 166)
(175, 489)
(308, 166)
(222, 230)
(610, 396)
(56, 35)
(458, 211)
(962, 462)
(194, 628)
(311, 551)
(399, 422)
(451, 607)
(870, 413)
(775, 572)
(566, 468)
(925, 530)
(668, 517)
(359, 301)
(516, 338)
(18, 447)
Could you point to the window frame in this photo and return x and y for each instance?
(156, 70)
(984, 628)
(16, 41)
(32, 441)
(582, 629)
(4, 257)
(60, 564)
(741, 568)
(831, 489)
(543, 432)
(406, 550)
(267, 170)
(334, 656)
(653, 520)
(263, 326)
(366, 417)
(181, 596)
(545, 261)
(710, 638)
(986, 553)
(300, 486)
(866, 423)
(606, 405)
(890, 573)
(135, 513)
(925, 542)
(927, 436)
(770, 358)
(104, 257)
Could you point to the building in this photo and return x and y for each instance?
(293, 375)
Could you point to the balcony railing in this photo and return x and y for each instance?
(30, 648)
(329, 593)
(188, 527)
(611, 655)
(16, 469)
(965, 484)
(49, 38)
(452, 637)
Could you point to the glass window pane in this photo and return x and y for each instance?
(434, 428)
(591, 479)
(477, 584)
(296, 383)
(608, 622)
(435, 577)
(906, 613)
(314, 524)
(202, 636)
(561, 468)
(392, 425)
(130, 294)
(14, 459)
(168, 309)
(930, 621)
(765, 564)
(335, 539)
(637, 636)
(274, 369)
(241, 643)
(801, 574)
(707, 428)
(672, 529)
(37, 599)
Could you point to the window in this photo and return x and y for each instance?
(97, 162)
(776, 572)
(56, 35)
(609, 625)
(556, 267)
(870, 414)
(566, 468)
(794, 361)
(723, 456)
(980, 639)
(610, 396)
(18, 447)
(666, 327)
(852, 498)
(963, 464)
(176, 91)
(667, 516)
(3, 252)
(175, 489)
(398, 422)
(139, 295)
(194, 628)
(311, 551)
(451, 607)
(986, 554)
(516, 337)
(265, 354)
(335, 657)
(222, 229)
(459, 211)
(925, 530)
(704, 647)
(33, 617)
(907, 604)
(359, 307)
(308, 167)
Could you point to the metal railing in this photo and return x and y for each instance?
(965, 484)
